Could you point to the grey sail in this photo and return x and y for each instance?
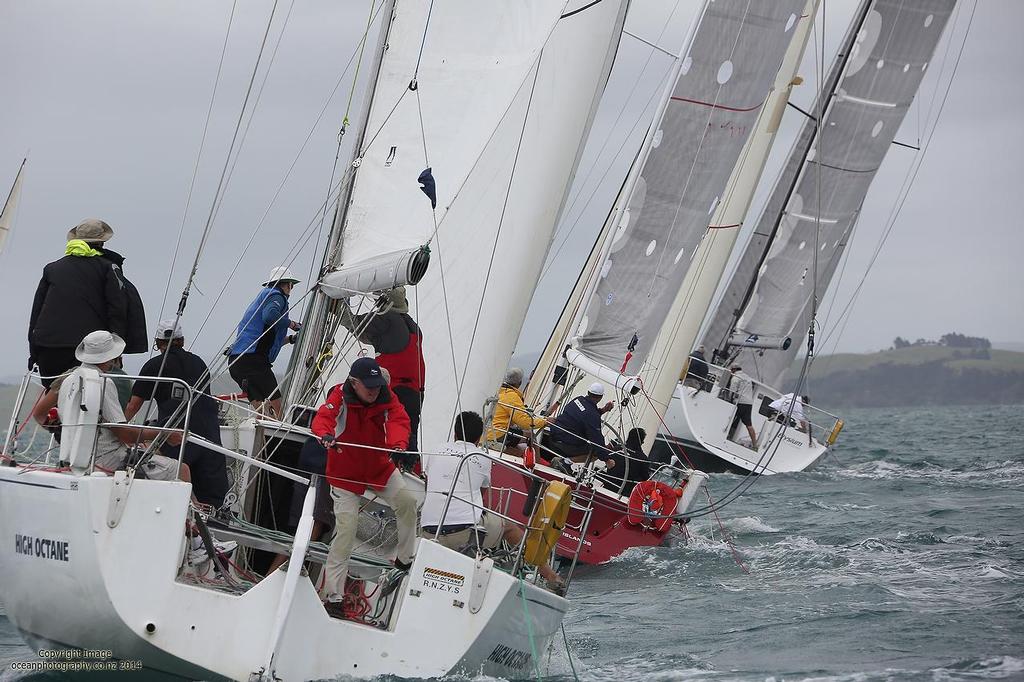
(871, 86)
(725, 79)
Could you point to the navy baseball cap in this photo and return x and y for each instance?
(368, 371)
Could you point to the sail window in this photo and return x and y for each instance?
(714, 204)
(605, 268)
(879, 64)
(684, 68)
(679, 256)
(928, 20)
(801, 247)
(657, 138)
(906, 68)
(877, 129)
(724, 72)
(651, 247)
(790, 22)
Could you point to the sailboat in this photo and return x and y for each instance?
(767, 308)
(496, 98)
(11, 207)
(715, 124)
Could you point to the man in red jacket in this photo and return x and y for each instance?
(361, 424)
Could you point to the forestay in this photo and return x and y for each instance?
(725, 78)
(771, 293)
(505, 92)
(10, 207)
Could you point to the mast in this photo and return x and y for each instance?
(315, 342)
(798, 157)
(691, 304)
(11, 206)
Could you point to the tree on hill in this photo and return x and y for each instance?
(955, 340)
(900, 342)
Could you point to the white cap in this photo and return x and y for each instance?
(167, 329)
(596, 388)
(280, 275)
(99, 346)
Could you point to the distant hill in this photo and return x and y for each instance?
(917, 375)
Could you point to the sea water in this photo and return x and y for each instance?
(900, 556)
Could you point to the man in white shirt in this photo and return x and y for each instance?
(782, 407)
(466, 520)
(97, 352)
(743, 387)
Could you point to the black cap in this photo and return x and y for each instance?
(368, 372)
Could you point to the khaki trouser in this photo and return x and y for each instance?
(346, 519)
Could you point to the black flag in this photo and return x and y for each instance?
(426, 181)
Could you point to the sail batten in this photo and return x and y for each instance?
(813, 210)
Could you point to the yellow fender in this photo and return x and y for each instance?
(547, 522)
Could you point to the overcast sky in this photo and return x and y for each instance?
(109, 101)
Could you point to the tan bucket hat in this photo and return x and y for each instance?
(99, 346)
(91, 230)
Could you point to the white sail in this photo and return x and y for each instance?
(814, 207)
(683, 322)
(11, 207)
(505, 95)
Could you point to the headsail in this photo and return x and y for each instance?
(504, 95)
(870, 88)
(11, 207)
(725, 80)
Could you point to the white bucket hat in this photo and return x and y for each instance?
(167, 329)
(280, 275)
(99, 346)
(596, 388)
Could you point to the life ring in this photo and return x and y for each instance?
(547, 522)
(651, 504)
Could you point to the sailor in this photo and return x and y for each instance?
(742, 387)
(398, 343)
(261, 333)
(576, 432)
(361, 423)
(467, 522)
(627, 466)
(209, 469)
(97, 351)
(80, 293)
(697, 371)
(511, 414)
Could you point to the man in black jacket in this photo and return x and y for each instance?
(82, 292)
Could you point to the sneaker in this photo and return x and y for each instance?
(198, 554)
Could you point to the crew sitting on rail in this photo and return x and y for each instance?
(782, 407)
(627, 465)
(97, 351)
(398, 343)
(361, 423)
(262, 332)
(576, 432)
(512, 419)
(209, 468)
(467, 523)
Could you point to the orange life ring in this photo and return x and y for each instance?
(651, 504)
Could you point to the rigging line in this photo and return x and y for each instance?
(288, 173)
(199, 156)
(423, 41)
(252, 111)
(622, 110)
(501, 220)
(220, 183)
(901, 201)
(696, 156)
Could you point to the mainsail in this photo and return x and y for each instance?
(496, 98)
(725, 79)
(810, 215)
(11, 207)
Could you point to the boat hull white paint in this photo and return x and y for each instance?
(80, 583)
(699, 419)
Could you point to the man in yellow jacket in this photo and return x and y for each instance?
(510, 412)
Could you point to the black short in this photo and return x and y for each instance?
(254, 375)
(743, 413)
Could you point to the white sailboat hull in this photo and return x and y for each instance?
(699, 423)
(70, 580)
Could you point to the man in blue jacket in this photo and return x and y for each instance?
(576, 432)
(261, 334)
